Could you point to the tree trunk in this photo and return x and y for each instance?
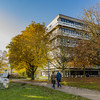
(32, 76)
(83, 71)
(31, 71)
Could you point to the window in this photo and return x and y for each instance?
(62, 19)
(67, 30)
(78, 24)
(65, 20)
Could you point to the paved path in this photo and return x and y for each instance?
(90, 94)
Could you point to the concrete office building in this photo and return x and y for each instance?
(64, 33)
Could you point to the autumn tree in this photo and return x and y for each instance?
(92, 21)
(3, 60)
(28, 50)
(87, 52)
(91, 18)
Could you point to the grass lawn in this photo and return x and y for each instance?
(18, 91)
(88, 82)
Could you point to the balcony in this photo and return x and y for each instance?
(65, 24)
(55, 35)
(51, 27)
(70, 25)
(69, 35)
(63, 45)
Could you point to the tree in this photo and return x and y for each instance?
(3, 61)
(92, 21)
(87, 52)
(91, 18)
(29, 48)
(61, 45)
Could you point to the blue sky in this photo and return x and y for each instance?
(15, 15)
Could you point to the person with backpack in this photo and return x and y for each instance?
(58, 78)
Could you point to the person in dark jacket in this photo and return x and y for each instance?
(58, 75)
(53, 79)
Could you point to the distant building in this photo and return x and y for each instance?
(64, 33)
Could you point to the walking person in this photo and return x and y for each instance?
(53, 79)
(58, 78)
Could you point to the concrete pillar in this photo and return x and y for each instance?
(66, 73)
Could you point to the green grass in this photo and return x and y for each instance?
(88, 83)
(28, 92)
(92, 83)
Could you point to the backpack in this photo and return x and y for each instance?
(59, 77)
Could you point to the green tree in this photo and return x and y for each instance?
(29, 48)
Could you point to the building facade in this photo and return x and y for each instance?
(65, 32)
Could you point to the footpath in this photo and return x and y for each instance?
(90, 94)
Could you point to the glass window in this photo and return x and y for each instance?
(67, 21)
(71, 22)
(79, 24)
(67, 30)
(62, 19)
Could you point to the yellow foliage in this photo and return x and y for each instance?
(29, 50)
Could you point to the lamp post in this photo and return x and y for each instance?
(48, 70)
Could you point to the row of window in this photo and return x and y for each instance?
(62, 40)
(73, 32)
(68, 41)
(70, 21)
(70, 31)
